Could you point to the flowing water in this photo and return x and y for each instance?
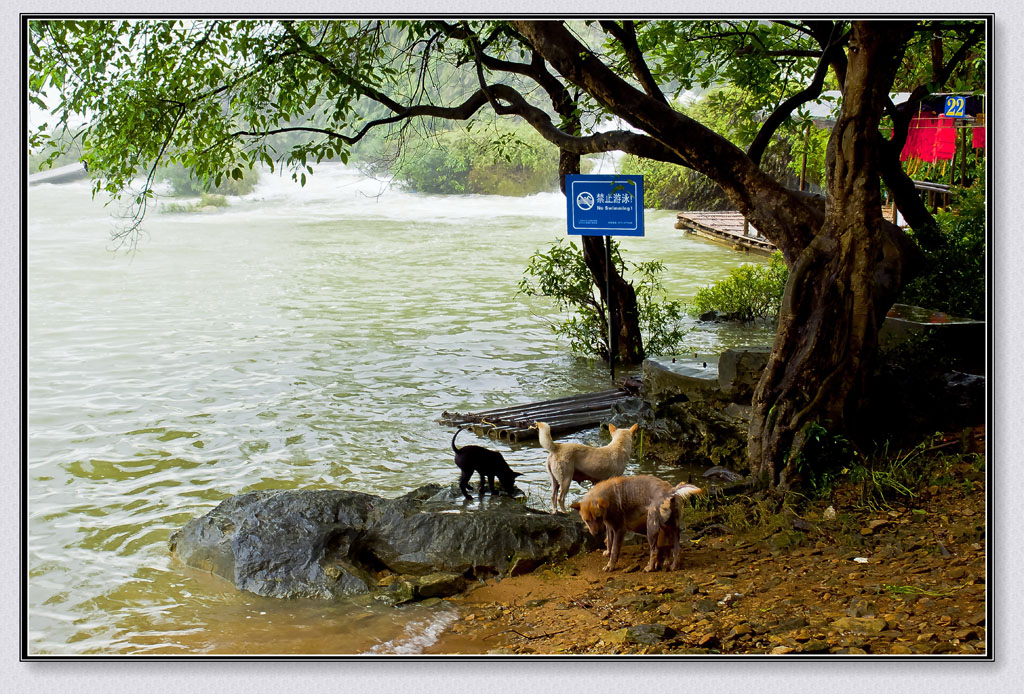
(300, 338)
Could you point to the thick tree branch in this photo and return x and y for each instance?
(824, 33)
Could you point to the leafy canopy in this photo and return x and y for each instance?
(205, 94)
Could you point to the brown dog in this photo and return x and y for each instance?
(637, 503)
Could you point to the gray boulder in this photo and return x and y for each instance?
(330, 543)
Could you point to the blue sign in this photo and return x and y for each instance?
(956, 107)
(605, 205)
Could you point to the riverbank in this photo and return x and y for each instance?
(858, 571)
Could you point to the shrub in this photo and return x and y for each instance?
(182, 183)
(561, 274)
(954, 279)
(747, 293)
(497, 160)
(205, 200)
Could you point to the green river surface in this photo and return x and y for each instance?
(300, 338)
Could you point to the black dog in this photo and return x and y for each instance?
(488, 463)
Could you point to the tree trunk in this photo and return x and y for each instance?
(841, 284)
(629, 340)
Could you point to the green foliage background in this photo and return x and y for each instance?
(499, 158)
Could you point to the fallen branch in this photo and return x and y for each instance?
(529, 638)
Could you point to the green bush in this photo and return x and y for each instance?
(954, 278)
(747, 293)
(183, 184)
(499, 159)
(561, 274)
(205, 200)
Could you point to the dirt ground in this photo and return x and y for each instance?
(840, 576)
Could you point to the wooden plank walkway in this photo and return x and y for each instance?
(563, 415)
(724, 227)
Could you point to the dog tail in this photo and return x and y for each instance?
(544, 435)
(453, 439)
(686, 489)
(667, 508)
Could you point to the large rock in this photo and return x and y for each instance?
(330, 543)
(691, 421)
(739, 370)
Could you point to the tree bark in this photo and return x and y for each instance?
(841, 285)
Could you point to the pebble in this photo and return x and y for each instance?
(977, 619)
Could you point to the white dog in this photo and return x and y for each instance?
(576, 461)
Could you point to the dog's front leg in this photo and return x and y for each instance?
(554, 485)
(613, 540)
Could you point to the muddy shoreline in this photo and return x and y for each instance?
(884, 579)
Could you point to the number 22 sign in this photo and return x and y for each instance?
(955, 107)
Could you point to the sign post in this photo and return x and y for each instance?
(605, 205)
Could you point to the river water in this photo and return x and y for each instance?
(300, 338)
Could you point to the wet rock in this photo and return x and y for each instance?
(790, 624)
(722, 474)
(647, 633)
(680, 611)
(739, 371)
(328, 543)
(691, 416)
(968, 634)
(709, 641)
(861, 608)
(742, 629)
(859, 624)
(399, 592)
(851, 650)
(814, 646)
(617, 636)
(705, 605)
(440, 585)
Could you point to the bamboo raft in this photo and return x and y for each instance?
(727, 228)
(563, 415)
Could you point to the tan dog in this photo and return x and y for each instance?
(639, 503)
(575, 461)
